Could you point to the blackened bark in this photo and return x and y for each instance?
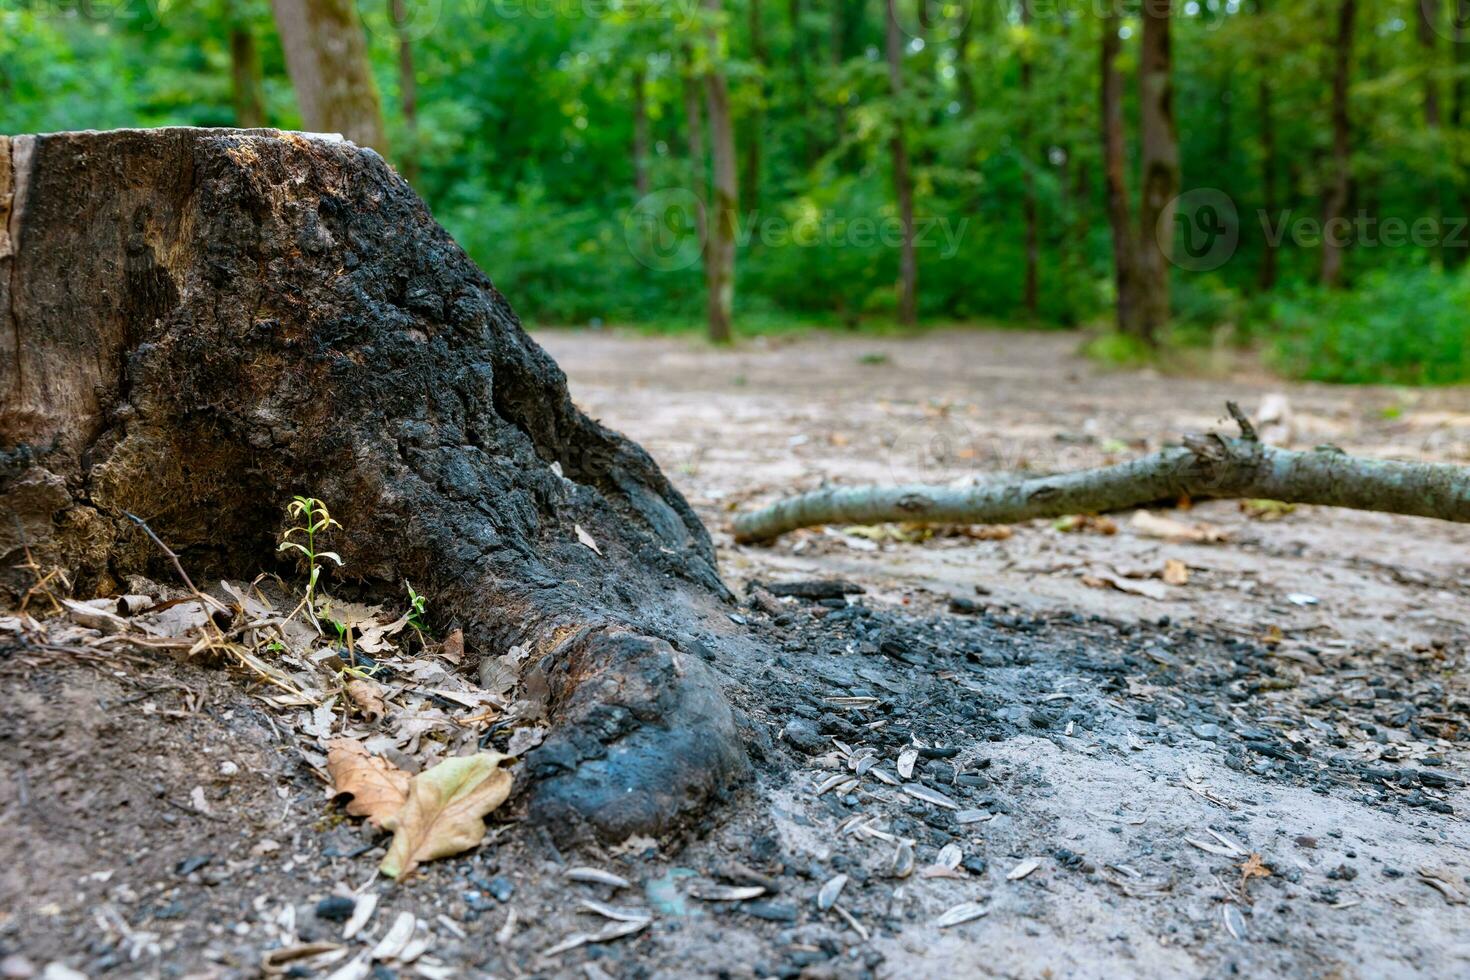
(203, 323)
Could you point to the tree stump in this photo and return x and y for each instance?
(202, 323)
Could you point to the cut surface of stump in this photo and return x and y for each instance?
(203, 323)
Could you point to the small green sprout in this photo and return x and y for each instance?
(417, 610)
(315, 519)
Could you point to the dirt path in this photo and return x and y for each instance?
(1213, 778)
(771, 419)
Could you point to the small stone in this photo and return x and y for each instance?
(502, 888)
(336, 908)
(228, 769)
(770, 911)
(190, 865)
(804, 735)
(974, 863)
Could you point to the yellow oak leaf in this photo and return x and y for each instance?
(445, 811)
(378, 788)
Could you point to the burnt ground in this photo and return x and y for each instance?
(1136, 749)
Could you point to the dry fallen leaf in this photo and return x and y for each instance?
(452, 649)
(378, 787)
(445, 811)
(367, 696)
(1143, 587)
(1175, 572)
(1153, 525)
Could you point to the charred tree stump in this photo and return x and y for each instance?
(202, 323)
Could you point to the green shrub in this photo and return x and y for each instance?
(1407, 326)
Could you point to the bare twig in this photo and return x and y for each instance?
(1204, 467)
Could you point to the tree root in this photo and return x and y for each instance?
(1208, 466)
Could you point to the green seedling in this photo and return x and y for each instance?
(314, 520)
(417, 610)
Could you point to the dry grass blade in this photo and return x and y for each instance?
(615, 913)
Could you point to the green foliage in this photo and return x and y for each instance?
(525, 127)
(1399, 327)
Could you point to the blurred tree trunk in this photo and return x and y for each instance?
(1115, 173)
(964, 77)
(1433, 119)
(839, 57)
(797, 55)
(1267, 275)
(326, 56)
(908, 267)
(1160, 152)
(245, 77)
(755, 123)
(1030, 287)
(1454, 257)
(694, 126)
(408, 91)
(640, 132)
(719, 266)
(1335, 201)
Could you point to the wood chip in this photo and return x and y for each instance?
(1212, 848)
(906, 760)
(931, 796)
(949, 856)
(903, 860)
(1023, 869)
(616, 913)
(596, 876)
(884, 776)
(959, 914)
(831, 782)
(972, 816)
(616, 930)
(827, 897)
(725, 893)
(361, 913)
(396, 939)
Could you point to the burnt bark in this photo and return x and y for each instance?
(202, 323)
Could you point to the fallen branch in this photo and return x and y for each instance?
(1209, 466)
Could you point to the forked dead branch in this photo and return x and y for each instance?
(1203, 467)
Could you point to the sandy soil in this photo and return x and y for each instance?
(1098, 770)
